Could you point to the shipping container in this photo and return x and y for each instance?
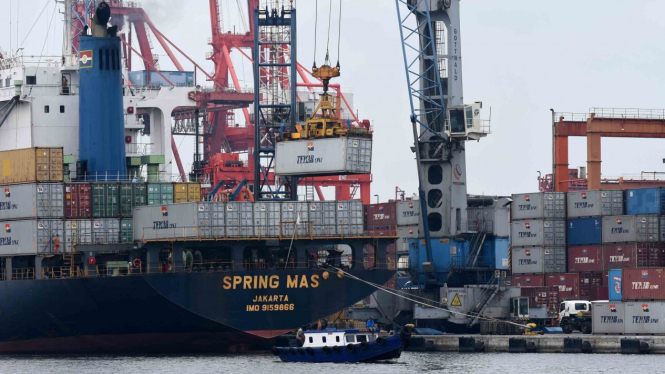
(615, 285)
(106, 231)
(78, 200)
(585, 231)
(160, 193)
(619, 256)
(31, 237)
(77, 231)
(662, 228)
(324, 156)
(650, 255)
(323, 217)
(267, 216)
(126, 230)
(543, 301)
(408, 231)
(211, 220)
(585, 258)
(381, 216)
(648, 228)
(132, 195)
(408, 213)
(534, 260)
(538, 233)
(644, 284)
(293, 212)
(166, 221)
(598, 293)
(139, 78)
(569, 285)
(607, 317)
(381, 232)
(537, 205)
(350, 218)
(644, 318)
(31, 201)
(645, 201)
(595, 203)
(619, 229)
(31, 165)
(588, 283)
(239, 217)
(189, 192)
(105, 200)
(529, 280)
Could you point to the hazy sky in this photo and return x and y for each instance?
(520, 57)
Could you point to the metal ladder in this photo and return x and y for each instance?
(490, 290)
(477, 242)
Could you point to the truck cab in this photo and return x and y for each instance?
(575, 315)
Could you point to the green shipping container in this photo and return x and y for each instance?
(105, 200)
(126, 231)
(160, 193)
(131, 195)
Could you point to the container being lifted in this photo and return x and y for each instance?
(325, 145)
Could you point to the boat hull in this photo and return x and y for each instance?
(181, 312)
(391, 348)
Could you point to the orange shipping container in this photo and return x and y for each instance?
(30, 165)
(187, 192)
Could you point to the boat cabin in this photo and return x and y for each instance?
(334, 337)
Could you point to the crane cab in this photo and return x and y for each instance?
(464, 122)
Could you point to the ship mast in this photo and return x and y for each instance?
(68, 57)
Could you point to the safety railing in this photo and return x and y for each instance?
(473, 226)
(482, 262)
(285, 231)
(23, 273)
(138, 148)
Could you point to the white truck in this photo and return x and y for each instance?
(575, 315)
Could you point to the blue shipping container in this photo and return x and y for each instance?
(585, 231)
(615, 285)
(645, 201)
(495, 253)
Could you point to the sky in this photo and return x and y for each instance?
(519, 57)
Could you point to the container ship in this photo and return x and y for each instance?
(103, 250)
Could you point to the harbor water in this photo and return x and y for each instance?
(410, 362)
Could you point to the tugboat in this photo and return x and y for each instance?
(344, 346)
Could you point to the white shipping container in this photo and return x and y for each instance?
(34, 200)
(266, 219)
(408, 231)
(323, 216)
(595, 203)
(292, 212)
(607, 317)
(166, 221)
(239, 218)
(350, 217)
(619, 229)
(30, 237)
(78, 231)
(211, 219)
(324, 156)
(644, 317)
(106, 230)
(539, 205)
(538, 232)
(408, 213)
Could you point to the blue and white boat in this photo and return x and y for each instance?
(333, 345)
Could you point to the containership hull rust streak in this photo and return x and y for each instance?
(195, 312)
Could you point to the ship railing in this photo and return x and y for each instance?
(23, 273)
(132, 177)
(138, 148)
(483, 226)
(482, 262)
(61, 272)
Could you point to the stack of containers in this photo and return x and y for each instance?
(239, 217)
(350, 218)
(407, 219)
(538, 242)
(586, 212)
(295, 213)
(647, 206)
(266, 219)
(78, 214)
(323, 217)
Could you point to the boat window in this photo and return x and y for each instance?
(324, 339)
(362, 338)
(31, 79)
(580, 306)
(337, 339)
(62, 108)
(350, 339)
(46, 109)
(311, 340)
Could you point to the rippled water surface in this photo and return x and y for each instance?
(268, 364)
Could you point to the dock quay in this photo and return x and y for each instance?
(558, 343)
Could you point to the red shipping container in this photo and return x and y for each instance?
(382, 232)
(78, 200)
(619, 256)
(644, 284)
(650, 255)
(587, 282)
(568, 283)
(535, 280)
(539, 297)
(381, 216)
(585, 258)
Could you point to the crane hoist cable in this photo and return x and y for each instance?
(339, 31)
(316, 23)
(327, 60)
